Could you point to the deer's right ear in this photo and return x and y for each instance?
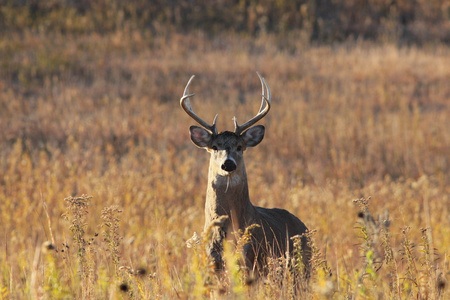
(200, 137)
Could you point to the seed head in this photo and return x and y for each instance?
(141, 272)
(124, 287)
(48, 246)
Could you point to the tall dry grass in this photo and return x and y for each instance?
(99, 115)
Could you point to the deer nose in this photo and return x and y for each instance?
(229, 165)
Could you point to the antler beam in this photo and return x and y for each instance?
(263, 110)
(186, 105)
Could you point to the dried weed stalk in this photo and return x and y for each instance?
(111, 223)
(77, 209)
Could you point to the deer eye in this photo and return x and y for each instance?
(239, 148)
(214, 148)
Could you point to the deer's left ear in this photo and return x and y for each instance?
(253, 136)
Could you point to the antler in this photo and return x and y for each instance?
(186, 105)
(263, 110)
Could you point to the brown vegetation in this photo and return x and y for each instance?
(99, 114)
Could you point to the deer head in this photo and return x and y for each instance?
(227, 147)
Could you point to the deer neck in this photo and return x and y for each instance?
(227, 195)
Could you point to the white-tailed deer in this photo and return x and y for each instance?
(227, 192)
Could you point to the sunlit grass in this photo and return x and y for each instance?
(99, 115)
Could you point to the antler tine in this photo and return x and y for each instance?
(186, 105)
(263, 110)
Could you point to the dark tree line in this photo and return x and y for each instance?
(410, 21)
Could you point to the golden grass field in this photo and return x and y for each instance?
(356, 131)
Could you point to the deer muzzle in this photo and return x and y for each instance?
(229, 165)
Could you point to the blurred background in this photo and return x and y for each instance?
(89, 104)
(322, 21)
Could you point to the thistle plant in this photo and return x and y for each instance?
(77, 209)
